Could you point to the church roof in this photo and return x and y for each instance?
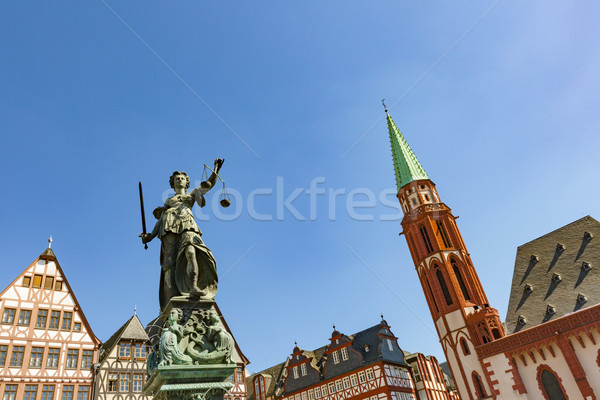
(555, 275)
(406, 166)
(130, 330)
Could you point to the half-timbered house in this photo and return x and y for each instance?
(121, 371)
(47, 347)
(368, 365)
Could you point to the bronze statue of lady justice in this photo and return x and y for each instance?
(188, 266)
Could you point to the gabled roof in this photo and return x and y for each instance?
(49, 255)
(130, 330)
(555, 274)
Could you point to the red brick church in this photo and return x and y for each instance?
(552, 347)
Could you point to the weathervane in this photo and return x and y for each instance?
(384, 106)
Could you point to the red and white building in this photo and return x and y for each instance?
(430, 383)
(47, 347)
(367, 365)
(554, 354)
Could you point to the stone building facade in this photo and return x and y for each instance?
(47, 347)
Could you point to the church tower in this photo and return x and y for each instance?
(458, 304)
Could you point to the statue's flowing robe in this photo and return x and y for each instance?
(177, 231)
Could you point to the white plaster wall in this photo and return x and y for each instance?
(558, 365)
(455, 320)
(501, 368)
(587, 357)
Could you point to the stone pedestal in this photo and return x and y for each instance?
(190, 382)
(191, 357)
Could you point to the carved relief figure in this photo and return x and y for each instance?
(169, 341)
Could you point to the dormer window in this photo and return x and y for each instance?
(366, 348)
(336, 357)
(295, 370)
(390, 346)
(303, 369)
(344, 352)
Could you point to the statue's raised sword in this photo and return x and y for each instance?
(143, 215)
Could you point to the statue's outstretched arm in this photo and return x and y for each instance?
(212, 179)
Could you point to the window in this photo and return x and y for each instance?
(304, 396)
(426, 240)
(53, 356)
(58, 286)
(552, 386)
(26, 281)
(240, 375)
(37, 354)
(3, 353)
(77, 327)
(336, 357)
(318, 392)
(390, 345)
(353, 380)
(459, 278)
(324, 390)
(331, 387)
(295, 370)
(66, 321)
(124, 383)
(30, 392)
(8, 316)
(361, 377)
(138, 380)
(303, 369)
(83, 393)
(48, 392)
(370, 374)
(344, 352)
(311, 395)
(113, 378)
(339, 385)
(42, 318)
(442, 232)
(431, 294)
(16, 358)
(140, 351)
(87, 358)
(67, 393)
(442, 283)
(479, 389)
(465, 347)
(49, 282)
(124, 350)
(346, 381)
(24, 317)
(259, 388)
(37, 281)
(54, 318)
(72, 358)
(10, 392)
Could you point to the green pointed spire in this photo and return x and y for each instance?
(406, 165)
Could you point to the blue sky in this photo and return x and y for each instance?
(502, 111)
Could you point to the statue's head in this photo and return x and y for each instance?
(175, 315)
(179, 179)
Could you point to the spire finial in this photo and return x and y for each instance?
(295, 343)
(384, 106)
(135, 309)
(334, 327)
(382, 317)
(50, 241)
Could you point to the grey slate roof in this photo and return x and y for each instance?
(552, 272)
(130, 330)
(368, 347)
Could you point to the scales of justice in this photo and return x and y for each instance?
(191, 355)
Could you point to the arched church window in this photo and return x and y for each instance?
(443, 234)
(443, 286)
(551, 386)
(426, 239)
(479, 389)
(465, 347)
(431, 294)
(461, 282)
